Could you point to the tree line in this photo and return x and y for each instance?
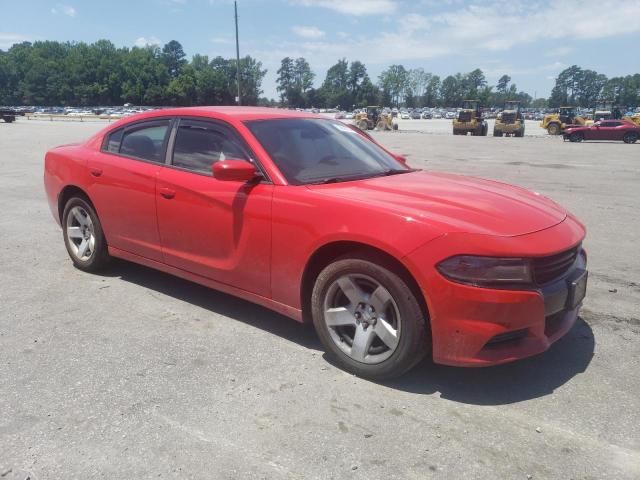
(348, 85)
(52, 73)
(62, 73)
(587, 88)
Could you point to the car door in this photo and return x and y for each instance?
(217, 229)
(618, 130)
(605, 130)
(122, 186)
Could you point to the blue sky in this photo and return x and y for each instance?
(530, 40)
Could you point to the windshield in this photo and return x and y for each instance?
(464, 116)
(311, 150)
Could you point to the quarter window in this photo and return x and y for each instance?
(145, 142)
(113, 141)
(198, 145)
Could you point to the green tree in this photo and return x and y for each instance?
(394, 82)
(173, 57)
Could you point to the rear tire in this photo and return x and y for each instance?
(497, 133)
(83, 236)
(630, 137)
(368, 319)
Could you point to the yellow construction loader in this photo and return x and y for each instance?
(470, 120)
(555, 123)
(510, 121)
(374, 118)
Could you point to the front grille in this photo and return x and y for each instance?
(508, 117)
(546, 269)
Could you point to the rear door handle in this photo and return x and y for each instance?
(167, 193)
(96, 172)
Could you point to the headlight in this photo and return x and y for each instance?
(486, 271)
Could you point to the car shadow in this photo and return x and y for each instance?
(216, 302)
(510, 383)
(514, 382)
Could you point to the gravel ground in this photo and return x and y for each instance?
(136, 374)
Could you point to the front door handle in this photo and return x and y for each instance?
(167, 193)
(96, 172)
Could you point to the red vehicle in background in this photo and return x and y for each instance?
(617, 130)
(313, 219)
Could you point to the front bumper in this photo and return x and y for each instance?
(474, 326)
(508, 127)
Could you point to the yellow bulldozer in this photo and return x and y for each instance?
(635, 118)
(510, 121)
(469, 120)
(555, 123)
(373, 117)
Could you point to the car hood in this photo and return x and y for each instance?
(453, 203)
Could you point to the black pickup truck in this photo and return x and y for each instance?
(9, 115)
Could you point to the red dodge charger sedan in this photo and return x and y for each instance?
(313, 219)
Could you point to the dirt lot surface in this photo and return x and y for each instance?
(136, 374)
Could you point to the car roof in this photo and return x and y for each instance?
(226, 113)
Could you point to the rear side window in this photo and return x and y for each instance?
(198, 145)
(112, 145)
(145, 141)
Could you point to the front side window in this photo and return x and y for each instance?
(145, 142)
(310, 150)
(198, 145)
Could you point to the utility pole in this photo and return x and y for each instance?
(238, 98)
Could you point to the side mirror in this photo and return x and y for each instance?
(234, 170)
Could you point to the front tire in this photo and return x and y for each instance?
(368, 319)
(83, 236)
(576, 137)
(630, 137)
(553, 129)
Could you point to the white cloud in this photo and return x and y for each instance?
(147, 41)
(352, 7)
(490, 26)
(308, 32)
(8, 39)
(61, 9)
(497, 26)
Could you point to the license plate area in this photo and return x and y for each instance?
(577, 290)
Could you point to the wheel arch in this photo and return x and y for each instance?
(329, 252)
(69, 192)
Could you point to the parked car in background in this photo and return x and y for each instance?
(427, 115)
(416, 115)
(617, 130)
(243, 200)
(405, 116)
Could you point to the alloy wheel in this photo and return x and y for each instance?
(81, 235)
(362, 317)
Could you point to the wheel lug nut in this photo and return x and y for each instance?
(358, 315)
(371, 309)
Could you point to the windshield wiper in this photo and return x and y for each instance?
(328, 180)
(397, 171)
(384, 173)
